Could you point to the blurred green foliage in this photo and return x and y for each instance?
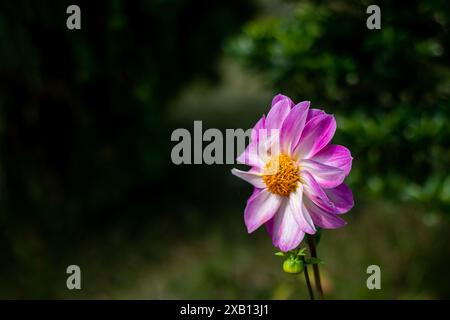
(389, 88)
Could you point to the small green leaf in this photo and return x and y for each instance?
(280, 254)
(301, 252)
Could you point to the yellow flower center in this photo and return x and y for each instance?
(282, 175)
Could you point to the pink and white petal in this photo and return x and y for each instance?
(302, 218)
(278, 113)
(270, 146)
(322, 218)
(257, 155)
(286, 233)
(261, 206)
(315, 193)
(261, 124)
(252, 177)
(335, 156)
(314, 113)
(342, 197)
(280, 97)
(269, 227)
(251, 156)
(326, 176)
(292, 127)
(316, 135)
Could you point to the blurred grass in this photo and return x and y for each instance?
(221, 261)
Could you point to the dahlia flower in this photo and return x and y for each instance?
(296, 173)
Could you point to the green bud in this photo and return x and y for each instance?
(293, 266)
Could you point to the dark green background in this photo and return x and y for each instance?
(85, 124)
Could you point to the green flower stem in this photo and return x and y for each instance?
(313, 252)
(308, 283)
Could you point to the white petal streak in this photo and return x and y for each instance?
(301, 216)
(261, 207)
(254, 178)
(325, 175)
(286, 233)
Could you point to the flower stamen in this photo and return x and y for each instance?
(282, 175)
